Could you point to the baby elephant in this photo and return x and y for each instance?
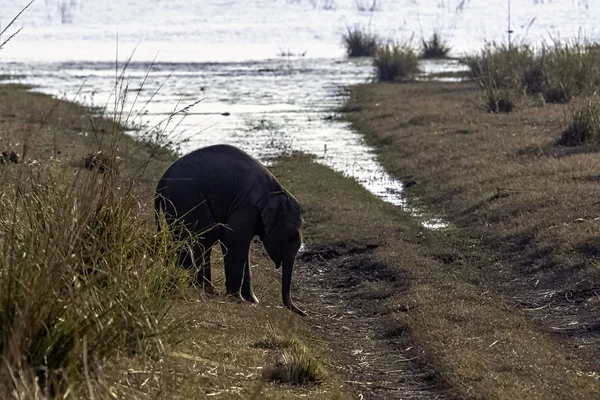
(223, 187)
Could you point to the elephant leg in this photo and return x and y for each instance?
(195, 257)
(234, 267)
(236, 239)
(247, 292)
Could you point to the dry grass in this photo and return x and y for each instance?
(585, 123)
(505, 181)
(91, 303)
(434, 47)
(295, 366)
(443, 303)
(502, 176)
(557, 72)
(84, 276)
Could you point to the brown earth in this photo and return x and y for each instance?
(507, 189)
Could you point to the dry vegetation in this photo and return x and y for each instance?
(395, 311)
(395, 62)
(91, 304)
(554, 73)
(439, 323)
(515, 195)
(434, 47)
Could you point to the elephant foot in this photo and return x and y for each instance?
(237, 297)
(205, 287)
(209, 290)
(250, 297)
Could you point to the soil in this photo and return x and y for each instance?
(380, 359)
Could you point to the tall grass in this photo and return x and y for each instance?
(434, 47)
(83, 275)
(585, 123)
(359, 42)
(395, 62)
(501, 65)
(558, 71)
(499, 70)
(570, 68)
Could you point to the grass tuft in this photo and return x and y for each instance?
(585, 124)
(395, 62)
(500, 66)
(360, 43)
(435, 47)
(500, 100)
(274, 340)
(296, 366)
(558, 71)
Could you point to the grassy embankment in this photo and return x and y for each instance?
(91, 304)
(519, 200)
(435, 293)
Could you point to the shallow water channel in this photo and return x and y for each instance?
(268, 108)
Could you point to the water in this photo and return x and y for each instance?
(228, 55)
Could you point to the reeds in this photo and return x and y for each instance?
(434, 47)
(585, 123)
(395, 62)
(557, 72)
(359, 42)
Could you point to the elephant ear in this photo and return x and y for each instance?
(272, 208)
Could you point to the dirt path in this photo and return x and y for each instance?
(413, 313)
(382, 363)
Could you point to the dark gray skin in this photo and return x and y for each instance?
(223, 185)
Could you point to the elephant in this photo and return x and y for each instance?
(224, 188)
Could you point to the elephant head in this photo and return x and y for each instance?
(281, 215)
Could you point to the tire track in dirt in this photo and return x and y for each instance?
(381, 360)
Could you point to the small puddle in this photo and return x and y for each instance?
(268, 108)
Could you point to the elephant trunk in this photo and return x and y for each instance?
(286, 287)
